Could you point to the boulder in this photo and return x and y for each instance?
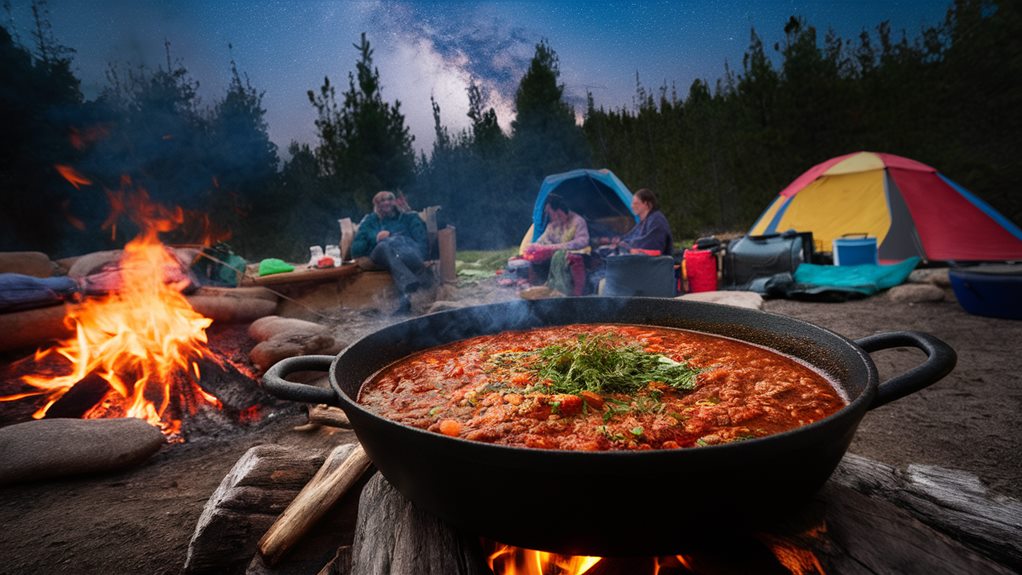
(264, 328)
(937, 276)
(915, 293)
(746, 299)
(48, 448)
(278, 347)
(282, 337)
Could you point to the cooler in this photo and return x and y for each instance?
(855, 251)
(701, 270)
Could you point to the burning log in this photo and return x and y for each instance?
(342, 469)
(259, 486)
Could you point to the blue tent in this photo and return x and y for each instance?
(597, 195)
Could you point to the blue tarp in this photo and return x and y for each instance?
(865, 279)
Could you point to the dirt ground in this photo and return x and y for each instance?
(141, 520)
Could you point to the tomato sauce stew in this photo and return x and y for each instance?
(601, 387)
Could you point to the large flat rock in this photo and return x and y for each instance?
(48, 448)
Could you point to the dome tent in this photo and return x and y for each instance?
(910, 208)
(596, 195)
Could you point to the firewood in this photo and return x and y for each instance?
(340, 564)
(426, 545)
(950, 501)
(228, 309)
(36, 264)
(323, 414)
(33, 327)
(259, 486)
(254, 292)
(342, 469)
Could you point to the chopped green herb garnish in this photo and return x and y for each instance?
(603, 364)
(636, 431)
(615, 407)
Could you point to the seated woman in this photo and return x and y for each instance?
(652, 233)
(565, 232)
(631, 275)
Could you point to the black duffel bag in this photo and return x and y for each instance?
(752, 258)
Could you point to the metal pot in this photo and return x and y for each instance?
(616, 502)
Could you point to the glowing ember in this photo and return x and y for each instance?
(144, 339)
(71, 175)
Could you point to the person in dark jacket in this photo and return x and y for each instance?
(652, 233)
(393, 240)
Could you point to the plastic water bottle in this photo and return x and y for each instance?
(315, 254)
(334, 253)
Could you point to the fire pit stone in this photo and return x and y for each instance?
(49, 448)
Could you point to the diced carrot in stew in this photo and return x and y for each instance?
(450, 427)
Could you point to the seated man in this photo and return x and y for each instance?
(565, 233)
(393, 240)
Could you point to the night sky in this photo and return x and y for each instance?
(425, 48)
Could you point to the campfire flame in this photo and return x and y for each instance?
(510, 560)
(144, 339)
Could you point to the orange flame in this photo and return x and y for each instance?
(508, 560)
(71, 175)
(795, 558)
(144, 339)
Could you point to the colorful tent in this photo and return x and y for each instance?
(597, 195)
(909, 207)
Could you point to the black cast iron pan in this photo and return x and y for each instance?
(617, 502)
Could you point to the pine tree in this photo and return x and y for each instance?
(364, 143)
(545, 137)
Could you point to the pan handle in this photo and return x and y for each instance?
(274, 379)
(940, 360)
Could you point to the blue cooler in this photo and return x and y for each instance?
(855, 251)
